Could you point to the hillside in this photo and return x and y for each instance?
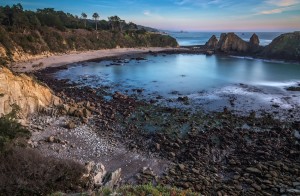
(286, 46)
(24, 34)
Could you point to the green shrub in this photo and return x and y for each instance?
(154, 190)
(27, 172)
(10, 129)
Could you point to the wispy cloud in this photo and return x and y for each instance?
(278, 6)
(197, 2)
(274, 11)
(282, 3)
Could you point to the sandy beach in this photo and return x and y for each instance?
(63, 59)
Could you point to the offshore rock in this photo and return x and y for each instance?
(254, 44)
(212, 42)
(254, 40)
(231, 42)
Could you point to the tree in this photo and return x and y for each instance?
(96, 17)
(84, 16)
(115, 22)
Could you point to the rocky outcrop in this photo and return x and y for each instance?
(231, 42)
(96, 176)
(286, 46)
(25, 92)
(254, 47)
(212, 42)
(254, 40)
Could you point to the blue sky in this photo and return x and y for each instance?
(188, 15)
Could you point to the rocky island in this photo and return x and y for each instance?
(284, 47)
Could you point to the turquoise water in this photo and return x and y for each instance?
(200, 38)
(184, 73)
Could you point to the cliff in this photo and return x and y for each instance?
(27, 44)
(286, 46)
(23, 91)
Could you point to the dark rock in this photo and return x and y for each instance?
(253, 170)
(70, 125)
(256, 186)
(172, 154)
(195, 171)
(254, 44)
(183, 99)
(254, 40)
(157, 146)
(181, 167)
(212, 42)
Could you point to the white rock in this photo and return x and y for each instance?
(297, 134)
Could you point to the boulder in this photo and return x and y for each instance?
(113, 179)
(94, 174)
(212, 42)
(231, 42)
(99, 173)
(286, 46)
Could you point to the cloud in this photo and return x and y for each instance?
(282, 3)
(147, 13)
(197, 2)
(274, 11)
(278, 6)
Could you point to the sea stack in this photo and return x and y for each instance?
(231, 42)
(212, 42)
(254, 40)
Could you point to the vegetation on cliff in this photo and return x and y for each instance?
(286, 46)
(26, 33)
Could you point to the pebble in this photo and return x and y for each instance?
(181, 167)
(253, 170)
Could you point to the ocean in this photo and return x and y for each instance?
(210, 82)
(200, 38)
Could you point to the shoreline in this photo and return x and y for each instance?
(58, 60)
(207, 153)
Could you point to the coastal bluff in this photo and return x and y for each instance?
(25, 92)
(286, 46)
(27, 45)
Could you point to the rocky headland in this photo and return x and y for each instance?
(285, 47)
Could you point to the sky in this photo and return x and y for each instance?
(186, 15)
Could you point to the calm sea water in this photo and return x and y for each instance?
(184, 73)
(200, 38)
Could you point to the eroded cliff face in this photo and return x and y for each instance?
(25, 92)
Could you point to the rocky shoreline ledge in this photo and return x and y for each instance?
(215, 153)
